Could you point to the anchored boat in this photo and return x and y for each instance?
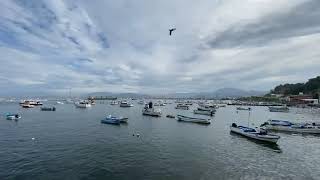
(193, 119)
(182, 106)
(251, 133)
(125, 104)
(278, 109)
(114, 103)
(150, 111)
(82, 104)
(287, 126)
(13, 116)
(111, 120)
(48, 108)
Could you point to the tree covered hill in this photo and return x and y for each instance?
(312, 86)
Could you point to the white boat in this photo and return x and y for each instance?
(31, 102)
(278, 109)
(82, 104)
(111, 120)
(13, 116)
(287, 126)
(182, 106)
(125, 104)
(244, 108)
(150, 111)
(251, 133)
(27, 105)
(209, 113)
(221, 105)
(114, 103)
(193, 119)
(59, 102)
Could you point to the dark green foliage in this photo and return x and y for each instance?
(310, 87)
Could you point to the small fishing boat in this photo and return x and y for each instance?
(13, 116)
(59, 102)
(125, 104)
(170, 116)
(221, 105)
(193, 119)
(114, 103)
(278, 109)
(244, 108)
(208, 113)
(111, 120)
(287, 126)
(182, 106)
(27, 105)
(148, 110)
(48, 108)
(251, 133)
(82, 104)
(31, 102)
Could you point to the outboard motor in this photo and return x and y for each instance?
(234, 125)
(150, 104)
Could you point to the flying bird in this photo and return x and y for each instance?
(171, 30)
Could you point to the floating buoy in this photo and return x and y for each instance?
(33, 138)
(138, 135)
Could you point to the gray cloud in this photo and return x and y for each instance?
(299, 21)
(124, 45)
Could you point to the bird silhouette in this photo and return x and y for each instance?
(171, 30)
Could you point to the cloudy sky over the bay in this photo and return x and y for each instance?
(124, 45)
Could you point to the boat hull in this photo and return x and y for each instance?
(13, 117)
(292, 129)
(255, 136)
(107, 121)
(151, 113)
(193, 120)
(279, 109)
(78, 105)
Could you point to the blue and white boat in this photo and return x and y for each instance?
(13, 116)
(287, 126)
(111, 120)
(251, 133)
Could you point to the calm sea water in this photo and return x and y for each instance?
(71, 143)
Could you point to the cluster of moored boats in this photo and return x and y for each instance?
(258, 133)
(262, 133)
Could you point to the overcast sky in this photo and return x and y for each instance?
(50, 46)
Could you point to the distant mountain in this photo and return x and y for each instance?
(119, 95)
(220, 93)
(234, 92)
